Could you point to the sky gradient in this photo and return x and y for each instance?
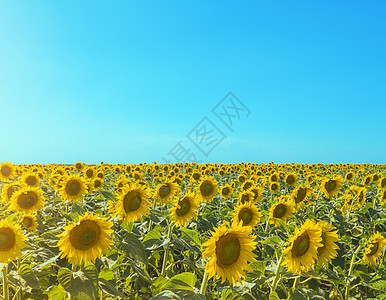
(125, 82)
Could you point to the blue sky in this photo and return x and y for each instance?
(125, 81)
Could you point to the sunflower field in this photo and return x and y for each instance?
(192, 231)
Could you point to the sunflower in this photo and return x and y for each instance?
(331, 186)
(9, 189)
(291, 179)
(86, 240)
(246, 196)
(196, 176)
(29, 222)
(282, 210)
(302, 251)
(164, 192)
(247, 214)
(89, 172)
(207, 189)
(132, 203)
(97, 183)
(382, 183)
(230, 249)
(11, 241)
(79, 166)
(27, 200)
(226, 191)
(373, 252)
(73, 188)
(328, 250)
(30, 179)
(121, 183)
(7, 171)
(184, 209)
(382, 196)
(257, 193)
(247, 184)
(274, 187)
(349, 176)
(300, 195)
(368, 180)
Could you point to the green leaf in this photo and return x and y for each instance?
(106, 274)
(158, 284)
(57, 292)
(184, 281)
(228, 294)
(108, 287)
(77, 283)
(28, 277)
(176, 294)
(274, 240)
(273, 296)
(108, 195)
(191, 236)
(134, 248)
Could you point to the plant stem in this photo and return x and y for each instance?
(73, 269)
(20, 291)
(347, 292)
(277, 275)
(5, 282)
(204, 283)
(166, 254)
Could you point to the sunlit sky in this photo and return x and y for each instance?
(128, 81)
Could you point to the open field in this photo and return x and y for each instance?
(191, 231)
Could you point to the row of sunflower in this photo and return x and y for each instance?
(188, 230)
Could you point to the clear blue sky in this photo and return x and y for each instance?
(125, 81)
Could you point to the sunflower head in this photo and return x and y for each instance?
(226, 191)
(9, 189)
(86, 240)
(73, 187)
(282, 210)
(132, 203)
(164, 192)
(247, 214)
(291, 179)
(329, 239)
(274, 187)
(331, 186)
(29, 222)
(79, 166)
(11, 241)
(373, 252)
(30, 179)
(7, 171)
(184, 209)
(27, 200)
(207, 189)
(300, 195)
(246, 196)
(230, 249)
(302, 251)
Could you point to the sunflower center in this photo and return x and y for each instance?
(7, 239)
(27, 222)
(184, 207)
(374, 248)
(330, 185)
(89, 173)
(6, 171)
(227, 250)
(85, 235)
(246, 215)
(196, 176)
(301, 245)
(274, 187)
(27, 200)
(164, 191)
(73, 187)
(290, 179)
(30, 180)
(383, 183)
(206, 188)
(247, 185)
(279, 210)
(244, 198)
(349, 176)
(225, 191)
(361, 197)
(97, 183)
(132, 201)
(302, 192)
